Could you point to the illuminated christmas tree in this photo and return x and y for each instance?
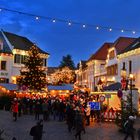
(64, 76)
(33, 76)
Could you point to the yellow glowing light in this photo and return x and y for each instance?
(113, 78)
(14, 51)
(131, 76)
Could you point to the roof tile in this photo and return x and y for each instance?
(101, 53)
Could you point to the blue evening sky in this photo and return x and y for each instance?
(57, 38)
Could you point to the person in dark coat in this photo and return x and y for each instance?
(37, 130)
(78, 124)
(45, 110)
(37, 110)
(129, 129)
(138, 132)
(70, 118)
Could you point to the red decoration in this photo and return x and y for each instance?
(123, 83)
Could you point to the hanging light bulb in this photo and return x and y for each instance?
(122, 31)
(84, 26)
(37, 18)
(54, 21)
(69, 23)
(133, 32)
(97, 28)
(0, 10)
(110, 29)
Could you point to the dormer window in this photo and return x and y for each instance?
(1, 44)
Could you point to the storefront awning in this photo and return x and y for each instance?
(62, 87)
(7, 86)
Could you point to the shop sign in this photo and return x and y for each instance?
(94, 105)
(3, 73)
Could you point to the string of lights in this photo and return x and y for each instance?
(70, 22)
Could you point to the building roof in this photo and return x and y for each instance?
(134, 45)
(63, 87)
(122, 43)
(5, 48)
(9, 86)
(101, 53)
(20, 42)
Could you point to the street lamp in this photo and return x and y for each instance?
(131, 78)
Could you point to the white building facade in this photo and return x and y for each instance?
(113, 70)
(13, 52)
(129, 60)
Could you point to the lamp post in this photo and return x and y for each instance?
(131, 78)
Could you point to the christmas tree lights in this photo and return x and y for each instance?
(34, 74)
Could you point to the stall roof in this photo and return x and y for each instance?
(9, 86)
(62, 87)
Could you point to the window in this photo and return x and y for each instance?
(17, 58)
(4, 80)
(7, 80)
(123, 66)
(130, 67)
(112, 70)
(3, 65)
(45, 62)
(112, 54)
(23, 59)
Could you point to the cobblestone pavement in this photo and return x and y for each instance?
(54, 130)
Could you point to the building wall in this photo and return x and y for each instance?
(96, 71)
(90, 75)
(7, 72)
(12, 69)
(135, 67)
(112, 62)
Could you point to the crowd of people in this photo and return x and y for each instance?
(75, 110)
